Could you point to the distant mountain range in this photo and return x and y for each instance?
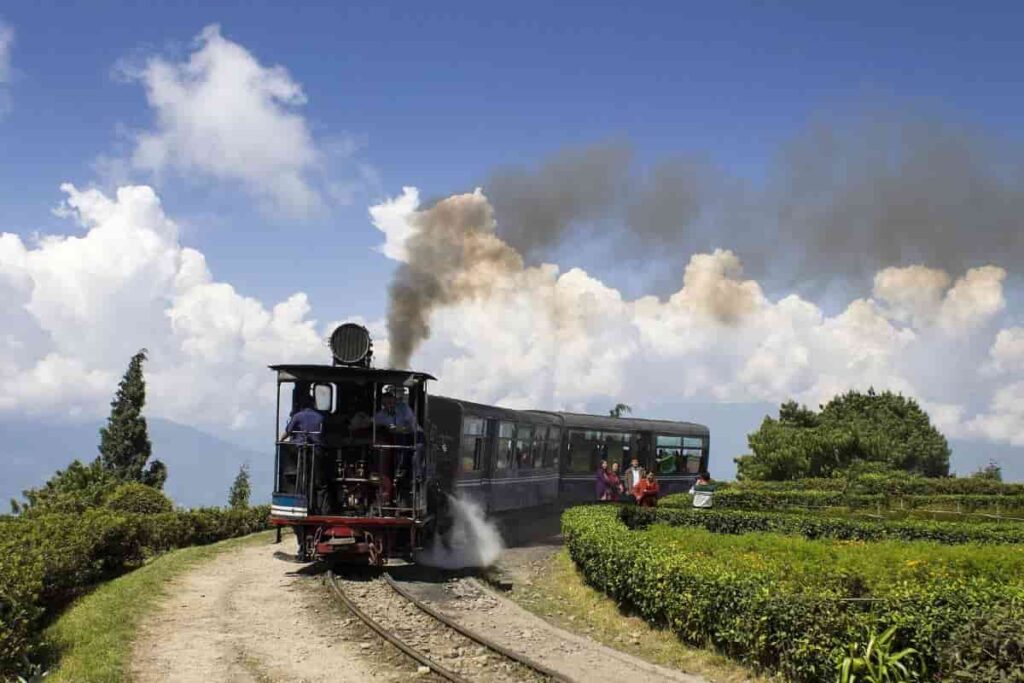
(200, 466)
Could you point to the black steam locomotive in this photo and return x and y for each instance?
(375, 477)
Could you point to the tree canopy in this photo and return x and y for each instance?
(884, 430)
(125, 448)
(619, 409)
(124, 456)
(238, 497)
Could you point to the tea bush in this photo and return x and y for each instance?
(743, 498)
(890, 483)
(139, 498)
(988, 647)
(785, 603)
(816, 525)
(47, 560)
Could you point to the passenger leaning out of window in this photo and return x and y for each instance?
(646, 492)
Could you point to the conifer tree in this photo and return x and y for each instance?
(238, 498)
(125, 448)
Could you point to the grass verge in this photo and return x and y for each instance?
(557, 592)
(93, 638)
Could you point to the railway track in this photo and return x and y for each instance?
(450, 650)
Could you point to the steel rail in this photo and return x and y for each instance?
(476, 637)
(387, 635)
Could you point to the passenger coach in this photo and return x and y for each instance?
(510, 459)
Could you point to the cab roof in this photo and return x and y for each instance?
(347, 373)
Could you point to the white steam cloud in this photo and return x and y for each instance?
(534, 336)
(472, 540)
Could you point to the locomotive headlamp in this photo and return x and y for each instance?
(351, 345)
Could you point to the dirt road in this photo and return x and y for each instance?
(245, 617)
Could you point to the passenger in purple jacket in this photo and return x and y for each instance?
(602, 486)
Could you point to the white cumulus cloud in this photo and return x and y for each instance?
(224, 114)
(76, 307)
(1007, 352)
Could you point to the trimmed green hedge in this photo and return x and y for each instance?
(788, 604)
(743, 498)
(896, 483)
(815, 525)
(48, 560)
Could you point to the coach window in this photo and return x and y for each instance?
(668, 453)
(524, 445)
(474, 440)
(537, 447)
(552, 447)
(616, 448)
(503, 456)
(585, 450)
(693, 451)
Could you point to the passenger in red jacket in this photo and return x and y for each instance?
(646, 492)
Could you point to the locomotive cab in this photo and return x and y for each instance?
(353, 473)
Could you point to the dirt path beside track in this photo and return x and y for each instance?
(245, 616)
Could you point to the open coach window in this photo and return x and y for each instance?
(474, 440)
(503, 458)
(668, 454)
(693, 451)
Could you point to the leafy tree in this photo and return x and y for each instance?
(992, 472)
(72, 490)
(884, 431)
(619, 409)
(238, 498)
(124, 443)
(790, 413)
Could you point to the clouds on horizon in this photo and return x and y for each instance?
(75, 307)
(537, 336)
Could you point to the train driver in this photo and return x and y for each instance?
(306, 425)
(396, 414)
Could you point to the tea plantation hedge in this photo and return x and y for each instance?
(815, 525)
(743, 498)
(892, 484)
(792, 605)
(48, 560)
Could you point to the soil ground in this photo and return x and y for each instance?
(249, 617)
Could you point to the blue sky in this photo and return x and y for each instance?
(439, 95)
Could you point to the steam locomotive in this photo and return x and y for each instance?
(366, 488)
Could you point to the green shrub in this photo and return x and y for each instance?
(816, 525)
(47, 560)
(790, 604)
(987, 648)
(139, 499)
(758, 498)
(890, 483)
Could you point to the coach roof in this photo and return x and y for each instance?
(630, 424)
